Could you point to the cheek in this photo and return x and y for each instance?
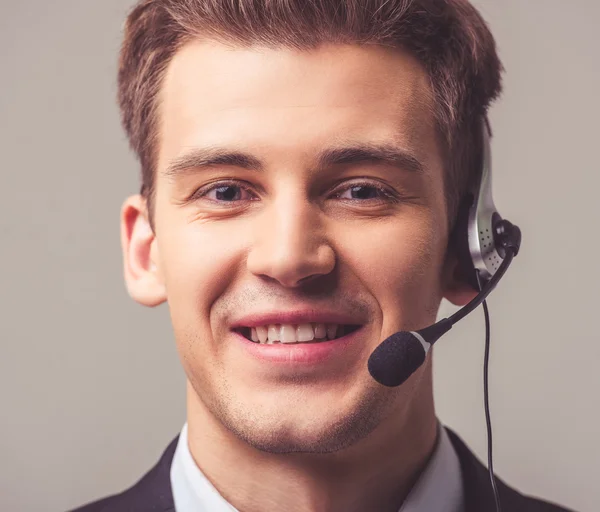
(198, 262)
(401, 268)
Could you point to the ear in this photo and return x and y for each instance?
(455, 287)
(143, 278)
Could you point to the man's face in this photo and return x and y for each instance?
(232, 241)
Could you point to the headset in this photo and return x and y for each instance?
(485, 244)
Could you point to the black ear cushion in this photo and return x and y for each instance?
(460, 242)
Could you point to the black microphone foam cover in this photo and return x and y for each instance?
(396, 359)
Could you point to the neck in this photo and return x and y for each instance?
(376, 473)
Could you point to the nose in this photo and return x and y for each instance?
(290, 245)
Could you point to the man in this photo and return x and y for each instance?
(260, 127)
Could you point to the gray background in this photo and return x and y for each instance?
(91, 390)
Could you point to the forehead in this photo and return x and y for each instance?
(291, 102)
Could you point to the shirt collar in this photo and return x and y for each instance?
(438, 489)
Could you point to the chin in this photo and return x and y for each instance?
(293, 440)
(308, 429)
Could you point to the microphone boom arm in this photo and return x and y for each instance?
(486, 290)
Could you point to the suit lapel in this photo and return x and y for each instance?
(478, 492)
(154, 491)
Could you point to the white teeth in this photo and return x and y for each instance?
(263, 333)
(320, 331)
(273, 332)
(288, 333)
(331, 330)
(305, 332)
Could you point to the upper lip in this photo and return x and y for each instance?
(296, 316)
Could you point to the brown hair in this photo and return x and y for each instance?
(448, 37)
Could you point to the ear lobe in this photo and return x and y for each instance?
(456, 288)
(141, 262)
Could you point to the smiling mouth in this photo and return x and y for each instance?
(340, 332)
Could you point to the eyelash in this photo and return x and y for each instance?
(388, 196)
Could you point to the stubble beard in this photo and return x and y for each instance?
(327, 432)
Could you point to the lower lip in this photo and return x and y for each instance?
(300, 353)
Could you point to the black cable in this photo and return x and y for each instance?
(487, 405)
(509, 237)
(486, 400)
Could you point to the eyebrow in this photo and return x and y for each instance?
(383, 154)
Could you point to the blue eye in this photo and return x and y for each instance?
(377, 191)
(232, 192)
(224, 192)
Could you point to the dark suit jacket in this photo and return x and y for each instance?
(153, 492)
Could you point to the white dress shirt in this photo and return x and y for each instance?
(438, 489)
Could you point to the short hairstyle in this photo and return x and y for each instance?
(448, 37)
